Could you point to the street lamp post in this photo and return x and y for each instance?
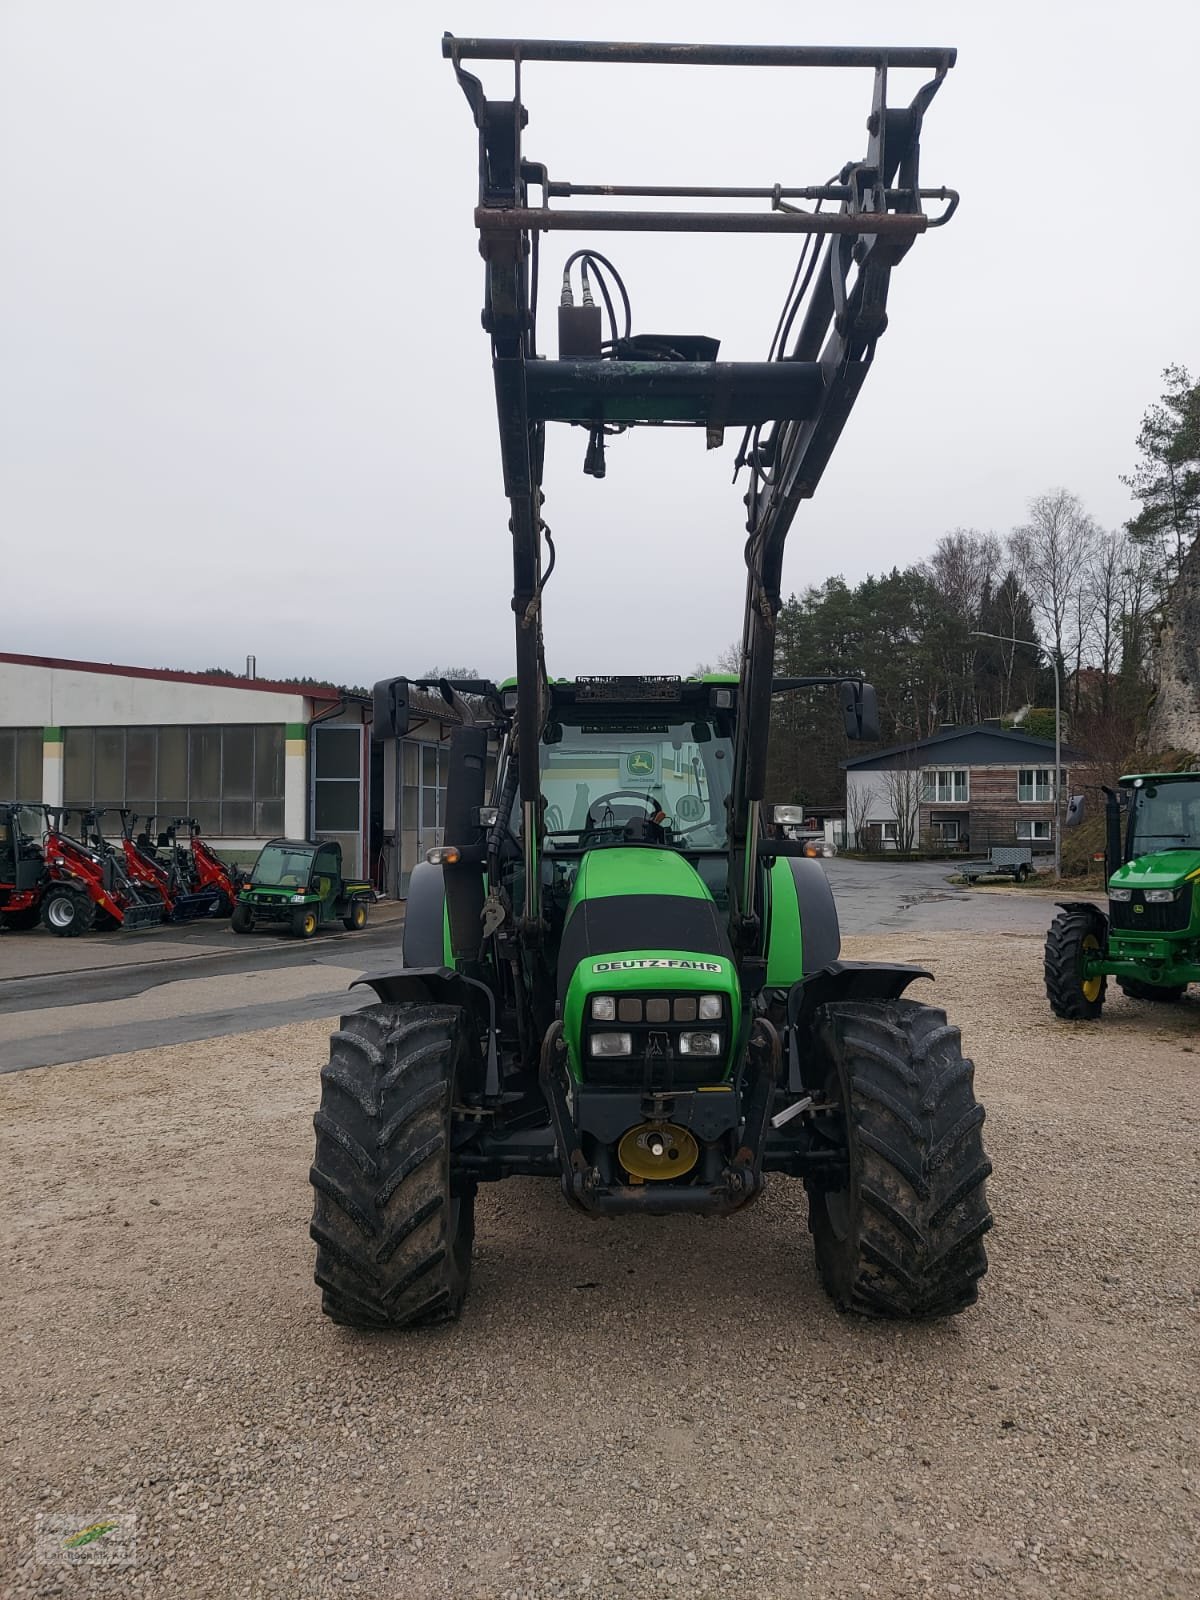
(1034, 645)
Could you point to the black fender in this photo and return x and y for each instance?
(840, 980)
(820, 931)
(1083, 905)
(424, 941)
(443, 986)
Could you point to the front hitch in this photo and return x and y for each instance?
(741, 1180)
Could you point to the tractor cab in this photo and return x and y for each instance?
(22, 865)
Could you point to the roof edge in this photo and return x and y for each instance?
(111, 669)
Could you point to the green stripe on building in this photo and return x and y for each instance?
(52, 736)
(295, 730)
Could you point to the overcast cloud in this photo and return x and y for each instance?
(246, 404)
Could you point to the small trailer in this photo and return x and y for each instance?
(1012, 860)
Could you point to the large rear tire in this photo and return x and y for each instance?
(393, 1233)
(1165, 993)
(67, 912)
(902, 1237)
(1075, 934)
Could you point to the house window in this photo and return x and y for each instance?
(1033, 830)
(1035, 783)
(889, 832)
(945, 832)
(945, 786)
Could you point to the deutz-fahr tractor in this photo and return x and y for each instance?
(1150, 939)
(616, 974)
(298, 882)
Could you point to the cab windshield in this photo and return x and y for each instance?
(597, 777)
(282, 866)
(1166, 816)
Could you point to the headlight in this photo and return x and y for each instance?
(1120, 895)
(604, 1008)
(710, 1007)
(611, 1044)
(1159, 897)
(699, 1044)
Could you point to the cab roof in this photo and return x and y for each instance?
(1132, 778)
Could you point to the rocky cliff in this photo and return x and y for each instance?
(1175, 714)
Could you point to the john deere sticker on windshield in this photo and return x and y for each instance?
(655, 964)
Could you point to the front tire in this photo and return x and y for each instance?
(304, 922)
(1165, 993)
(393, 1232)
(67, 912)
(902, 1237)
(1074, 935)
(242, 920)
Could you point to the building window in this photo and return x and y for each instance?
(945, 786)
(230, 779)
(1035, 783)
(945, 832)
(889, 832)
(1034, 830)
(21, 764)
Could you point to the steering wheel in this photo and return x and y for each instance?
(553, 819)
(651, 805)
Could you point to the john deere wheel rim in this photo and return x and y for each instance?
(60, 913)
(360, 916)
(1091, 986)
(310, 922)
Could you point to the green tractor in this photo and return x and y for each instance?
(616, 974)
(1150, 939)
(299, 883)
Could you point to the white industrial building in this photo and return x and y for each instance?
(249, 758)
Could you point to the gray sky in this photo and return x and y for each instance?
(246, 404)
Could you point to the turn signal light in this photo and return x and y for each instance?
(443, 855)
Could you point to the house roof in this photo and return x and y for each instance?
(981, 744)
(221, 680)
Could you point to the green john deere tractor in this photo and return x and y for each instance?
(616, 974)
(1150, 939)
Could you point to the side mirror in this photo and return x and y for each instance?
(1075, 808)
(860, 711)
(390, 716)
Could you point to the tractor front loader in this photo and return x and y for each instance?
(615, 975)
(1150, 938)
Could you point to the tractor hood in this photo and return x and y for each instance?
(1164, 869)
(641, 920)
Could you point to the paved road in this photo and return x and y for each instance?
(67, 1000)
(884, 897)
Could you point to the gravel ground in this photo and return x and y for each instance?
(641, 1408)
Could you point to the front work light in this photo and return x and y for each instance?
(604, 1008)
(1159, 897)
(791, 815)
(443, 855)
(710, 1007)
(1120, 895)
(699, 1044)
(612, 1044)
